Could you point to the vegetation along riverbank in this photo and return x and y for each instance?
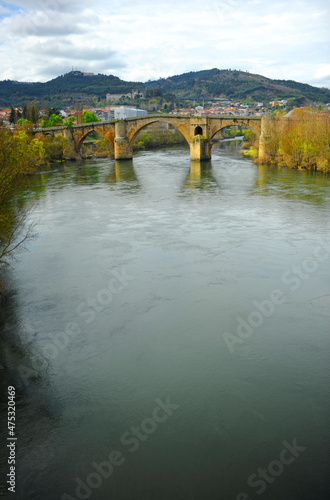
(301, 140)
(20, 155)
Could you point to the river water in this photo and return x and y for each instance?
(167, 333)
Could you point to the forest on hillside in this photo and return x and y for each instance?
(89, 89)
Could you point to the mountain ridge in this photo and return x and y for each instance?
(86, 88)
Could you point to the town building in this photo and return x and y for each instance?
(117, 112)
(129, 95)
(122, 112)
(104, 114)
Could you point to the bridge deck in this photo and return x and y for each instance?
(147, 117)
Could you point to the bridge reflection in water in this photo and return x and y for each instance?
(200, 176)
(123, 174)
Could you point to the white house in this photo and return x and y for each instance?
(122, 112)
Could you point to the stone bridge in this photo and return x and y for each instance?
(198, 132)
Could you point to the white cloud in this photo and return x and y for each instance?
(44, 23)
(4, 10)
(322, 76)
(65, 49)
(147, 39)
(323, 71)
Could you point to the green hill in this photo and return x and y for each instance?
(239, 85)
(90, 89)
(64, 90)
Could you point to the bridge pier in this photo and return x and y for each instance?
(262, 140)
(122, 146)
(200, 148)
(67, 134)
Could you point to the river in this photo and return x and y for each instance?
(167, 334)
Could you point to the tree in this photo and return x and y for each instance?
(26, 113)
(89, 117)
(45, 109)
(31, 112)
(154, 92)
(53, 111)
(14, 115)
(35, 111)
(69, 121)
(23, 122)
(53, 121)
(57, 147)
(19, 155)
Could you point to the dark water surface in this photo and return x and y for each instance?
(168, 332)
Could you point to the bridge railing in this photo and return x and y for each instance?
(147, 117)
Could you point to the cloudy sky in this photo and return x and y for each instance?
(148, 39)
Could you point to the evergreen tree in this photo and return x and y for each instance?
(13, 116)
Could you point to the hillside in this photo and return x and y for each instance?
(64, 90)
(90, 89)
(239, 85)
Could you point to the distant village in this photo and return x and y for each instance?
(225, 107)
(108, 113)
(198, 107)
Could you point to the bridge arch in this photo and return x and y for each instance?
(223, 126)
(133, 128)
(81, 139)
(100, 131)
(250, 124)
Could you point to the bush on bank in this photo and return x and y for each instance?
(57, 148)
(300, 141)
